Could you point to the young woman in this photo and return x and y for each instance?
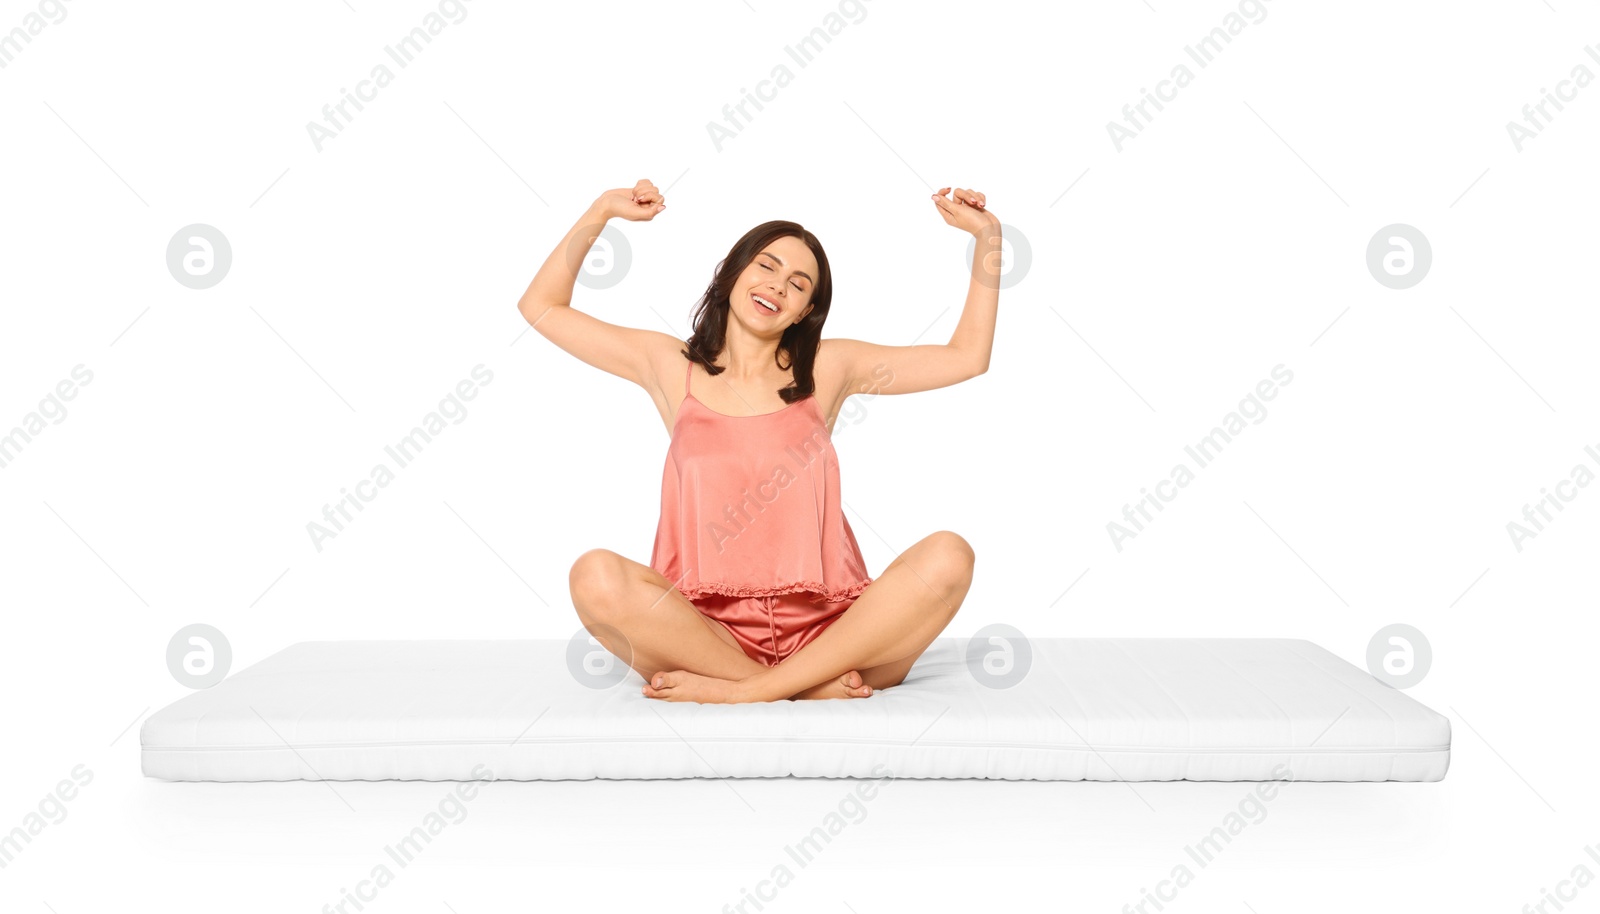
(756, 589)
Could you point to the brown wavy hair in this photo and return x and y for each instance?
(799, 341)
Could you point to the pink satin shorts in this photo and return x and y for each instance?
(770, 629)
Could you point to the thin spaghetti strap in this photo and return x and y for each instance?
(687, 374)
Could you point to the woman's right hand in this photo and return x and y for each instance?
(639, 203)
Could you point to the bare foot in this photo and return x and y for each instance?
(682, 685)
(847, 686)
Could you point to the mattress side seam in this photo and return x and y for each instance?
(1303, 750)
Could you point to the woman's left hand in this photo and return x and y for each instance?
(966, 210)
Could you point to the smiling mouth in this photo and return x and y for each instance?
(764, 304)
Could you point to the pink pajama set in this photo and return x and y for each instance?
(752, 531)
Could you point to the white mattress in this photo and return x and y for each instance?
(1132, 709)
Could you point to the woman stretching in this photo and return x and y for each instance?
(756, 589)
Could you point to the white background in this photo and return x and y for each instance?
(370, 277)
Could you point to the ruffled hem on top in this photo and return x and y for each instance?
(822, 592)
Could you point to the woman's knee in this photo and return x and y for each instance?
(951, 558)
(596, 580)
(952, 548)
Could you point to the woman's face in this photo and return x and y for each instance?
(783, 275)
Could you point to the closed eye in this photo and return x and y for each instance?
(765, 266)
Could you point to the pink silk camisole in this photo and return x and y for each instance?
(750, 506)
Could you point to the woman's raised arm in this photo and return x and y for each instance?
(914, 368)
(626, 352)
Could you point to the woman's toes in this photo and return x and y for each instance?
(854, 685)
(657, 685)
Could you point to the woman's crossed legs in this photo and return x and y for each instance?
(638, 615)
